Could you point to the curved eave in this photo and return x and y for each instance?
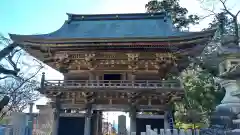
(38, 39)
(236, 93)
(228, 51)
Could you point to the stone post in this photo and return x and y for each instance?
(133, 113)
(30, 122)
(87, 125)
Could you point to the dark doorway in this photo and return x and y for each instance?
(112, 76)
(155, 123)
(71, 126)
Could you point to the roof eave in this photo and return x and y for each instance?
(36, 39)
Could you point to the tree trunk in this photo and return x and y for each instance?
(236, 30)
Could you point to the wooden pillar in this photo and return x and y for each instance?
(100, 123)
(133, 114)
(97, 122)
(92, 76)
(87, 125)
(56, 114)
(166, 124)
(133, 77)
(97, 78)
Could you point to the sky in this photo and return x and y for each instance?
(45, 16)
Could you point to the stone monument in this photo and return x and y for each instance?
(19, 123)
(122, 130)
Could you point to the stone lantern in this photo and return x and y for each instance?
(228, 111)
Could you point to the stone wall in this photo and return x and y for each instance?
(44, 120)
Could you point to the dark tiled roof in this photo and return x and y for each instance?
(114, 26)
(229, 50)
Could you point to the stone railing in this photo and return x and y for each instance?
(150, 131)
(115, 84)
(203, 131)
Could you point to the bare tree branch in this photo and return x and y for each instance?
(1, 78)
(225, 7)
(238, 13)
(19, 89)
(20, 96)
(8, 53)
(7, 50)
(204, 17)
(8, 71)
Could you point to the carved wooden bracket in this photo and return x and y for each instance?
(164, 63)
(75, 65)
(133, 98)
(89, 97)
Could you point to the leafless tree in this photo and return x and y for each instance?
(18, 77)
(227, 11)
(8, 54)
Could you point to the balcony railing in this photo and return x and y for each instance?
(117, 84)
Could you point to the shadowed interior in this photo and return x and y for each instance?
(142, 122)
(71, 126)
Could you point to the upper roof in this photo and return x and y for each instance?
(137, 25)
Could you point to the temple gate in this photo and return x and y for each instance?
(114, 62)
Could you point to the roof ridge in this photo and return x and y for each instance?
(120, 16)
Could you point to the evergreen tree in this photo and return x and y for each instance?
(172, 7)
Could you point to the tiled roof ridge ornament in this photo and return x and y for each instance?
(116, 16)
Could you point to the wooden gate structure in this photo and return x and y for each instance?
(113, 62)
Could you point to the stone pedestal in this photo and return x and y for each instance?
(230, 102)
(227, 112)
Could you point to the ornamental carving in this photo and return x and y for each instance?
(133, 61)
(90, 60)
(165, 59)
(62, 62)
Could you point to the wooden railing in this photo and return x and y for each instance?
(151, 84)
